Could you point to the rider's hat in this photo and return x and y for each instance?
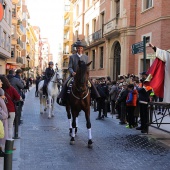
(50, 63)
(79, 44)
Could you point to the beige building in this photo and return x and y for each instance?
(68, 36)
(5, 36)
(31, 50)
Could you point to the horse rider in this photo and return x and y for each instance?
(49, 72)
(72, 66)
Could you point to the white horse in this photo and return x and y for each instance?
(52, 91)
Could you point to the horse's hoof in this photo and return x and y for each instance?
(90, 144)
(41, 113)
(52, 115)
(49, 117)
(72, 141)
(45, 110)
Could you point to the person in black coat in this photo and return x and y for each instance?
(104, 93)
(49, 72)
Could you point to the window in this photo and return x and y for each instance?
(93, 59)
(3, 40)
(94, 25)
(9, 21)
(147, 4)
(77, 35)
(77, 10)
(148, 38)
(101, 57)
(87, 29)
(117, 8)
(5, 6)
(101, 20)
(8, 45)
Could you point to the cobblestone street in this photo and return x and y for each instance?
(44, 144)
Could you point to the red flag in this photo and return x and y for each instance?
(155, 77)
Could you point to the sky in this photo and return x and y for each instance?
(48, 15)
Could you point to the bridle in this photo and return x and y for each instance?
(79, 97)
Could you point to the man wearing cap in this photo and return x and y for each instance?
(72, 66)
(15, 81)
(49, 72)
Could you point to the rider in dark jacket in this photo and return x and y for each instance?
(49, 72)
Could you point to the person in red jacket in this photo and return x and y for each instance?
(11, 95)
(131, 102)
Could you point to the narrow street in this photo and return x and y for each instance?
(44, 144)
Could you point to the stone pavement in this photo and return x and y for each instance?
(44, 143)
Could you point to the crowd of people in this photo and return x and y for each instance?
(11, 96)
(128, 98)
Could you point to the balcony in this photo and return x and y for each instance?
(19, 60)
(20, 28)
(20, 44)
(14, 18)
(66, 39)
(111, 28)
(14, 39)
(65, 66)
(19, 5)
(66, 25)
(93, 38)
(19, 16)
(15, 1)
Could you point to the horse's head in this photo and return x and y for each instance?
(58, 77)
(82, 74)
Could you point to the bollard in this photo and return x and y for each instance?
(105, 108)
(8, 154)
(95, 109)
(16, 123)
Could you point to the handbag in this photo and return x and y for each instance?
(2, 134)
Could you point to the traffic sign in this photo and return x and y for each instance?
(137, 48)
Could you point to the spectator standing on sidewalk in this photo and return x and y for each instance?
(3, 118)
(104, 93)
(121, 100)
(131, 104)
(15, 81)
(113, 95)
(12, 95)
(144, 98)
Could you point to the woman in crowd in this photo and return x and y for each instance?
(3, 118)
(12, 95)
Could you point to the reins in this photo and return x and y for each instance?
(79, 97)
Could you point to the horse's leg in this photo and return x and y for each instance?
(76, 125)
(52, 105)
(88, 125)
(41, 104)
(69, 118)
(72, 141)
(49, 106)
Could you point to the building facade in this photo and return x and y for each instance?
(68, 36)
(5, 35)
(109, 28)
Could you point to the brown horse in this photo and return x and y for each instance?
(79, 99)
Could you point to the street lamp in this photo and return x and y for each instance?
(28, 60)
